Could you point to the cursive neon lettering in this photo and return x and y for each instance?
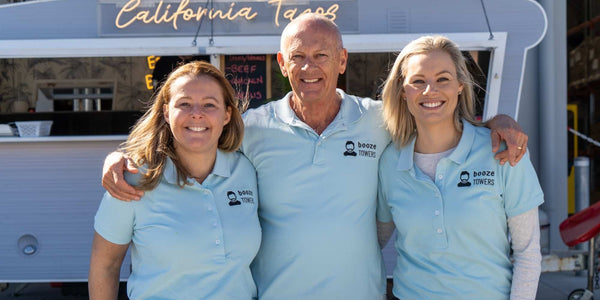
(129, 6)
(131, 13)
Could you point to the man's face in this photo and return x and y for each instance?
(312, 59)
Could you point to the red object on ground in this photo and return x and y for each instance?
(581, 226)
(56, 284)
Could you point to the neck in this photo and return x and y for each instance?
(316, 114)
(198, 166)
(436, 138)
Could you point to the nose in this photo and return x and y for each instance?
(308, 62)
(197, 110)
(429, 88)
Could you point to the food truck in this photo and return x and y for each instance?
(87, 66)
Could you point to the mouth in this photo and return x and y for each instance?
(197, 129)
(432, 104)
(310, 80)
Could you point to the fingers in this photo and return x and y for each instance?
(122, 190)
(505, 128)
(521, 151)
(502, 157)
(517, 146)
(495, 141)
(512, 154)
(130, 167)
(113, 180)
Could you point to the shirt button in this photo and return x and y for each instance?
(214, 224)
(218, 242)
(440, 176)
(437, 212)
(209, 208)
(439, 230)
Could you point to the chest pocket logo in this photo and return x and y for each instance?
(480, 178)
(364, 149)
(464, 179)
(242, 196)
(233, 198)
(349, 149)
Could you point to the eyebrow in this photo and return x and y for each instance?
(437, 74)
(444, 71)
(185, 97)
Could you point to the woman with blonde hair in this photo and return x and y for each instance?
(448, 197)
(187, 240)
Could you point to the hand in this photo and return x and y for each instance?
(505, 128)
(113, 180)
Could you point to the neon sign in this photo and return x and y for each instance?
(137, 13)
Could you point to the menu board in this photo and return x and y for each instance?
(248, 76)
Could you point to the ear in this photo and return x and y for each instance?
(343, 60)
(281, 62)
(460, 88)
(227, 116)
(166, 112)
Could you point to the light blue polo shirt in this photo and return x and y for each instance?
(452, 237)
(317, 202)
(190, 243)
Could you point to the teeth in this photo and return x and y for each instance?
(197, 129)
(432, 104)
(310, 80)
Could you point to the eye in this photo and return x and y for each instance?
(442, 79)
(183, 104)
(297, 57)
(418, 81)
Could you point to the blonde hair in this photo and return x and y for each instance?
(398, 119)
(151, 140)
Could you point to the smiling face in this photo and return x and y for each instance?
(431, 88)
(196, 114)
(312, 58)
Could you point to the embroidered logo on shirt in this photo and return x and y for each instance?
(245, 196)
(364, 149)
(464, 179)
(349, 149)
(483, 177)
(479, 178)
(233, 199)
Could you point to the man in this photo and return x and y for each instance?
(317, 207)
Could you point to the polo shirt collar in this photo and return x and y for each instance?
(350, 110)
(459, 155)
(405, 161)
(222, 168)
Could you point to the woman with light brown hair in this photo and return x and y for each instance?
(187, 240)
(448, 197)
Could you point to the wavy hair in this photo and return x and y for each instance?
(150, 141)
(398, 119)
